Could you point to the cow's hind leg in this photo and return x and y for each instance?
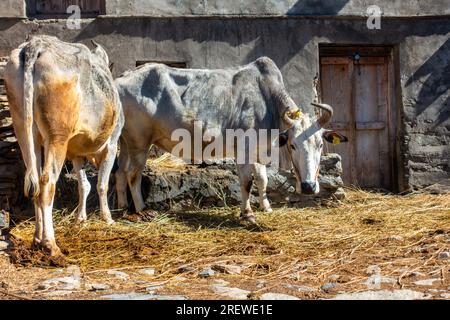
(134, 176)
(55, 154)
(121, 176)
(83, 188)
(260, 174)
(104, 171)
(246, 181)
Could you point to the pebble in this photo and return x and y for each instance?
(64, 283)
(444, 255)
(97, 287)
(373, 269)
(277, 296)
(148, 271)
(261, 284)
(426, 282)
(227, 268)
(234, 293)
(328, 286)
(208, 272)
(395, 238)
(375, 281)
(153, 287)
(4, 245)
(119, 274)
(382, 295)
(186, 269)
(299, 288)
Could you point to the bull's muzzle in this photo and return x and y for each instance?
(309, 187)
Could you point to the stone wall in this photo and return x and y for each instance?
(421, 58)
(11, 165)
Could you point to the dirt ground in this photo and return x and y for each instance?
(385, 245)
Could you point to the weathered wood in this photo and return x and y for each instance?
(371, 125)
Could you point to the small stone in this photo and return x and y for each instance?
(97, 287)
(234, 293)
(128, 296)
(148, 271)
(261, 284)
(208, 272)
(444, 255)
(221, 282)
(445, 295)
(180, 278)
(375, 281)
(64, 283)
(426, 282)
(334, 277)
(74, 270)
(395, 238)
(382, 295)
(299, 288)
(153, 287)
(277, 296)
(373, 269)
(5, 245)
(328, 287)
(186, 269)
(227, 268)
(119, 274)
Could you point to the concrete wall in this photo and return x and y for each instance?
(16, 8)
(12, 8)
(275, 7)
(423, 63)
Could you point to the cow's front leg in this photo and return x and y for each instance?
(104, 171)
(83, 189)
(260, 174)
(245, 179)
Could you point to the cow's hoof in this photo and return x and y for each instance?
(248, 216)
(109, 221)
(80, 221)
(268, 210)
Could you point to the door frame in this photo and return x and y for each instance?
(395, 112)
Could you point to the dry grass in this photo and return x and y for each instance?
(165, 162)
(313, 243)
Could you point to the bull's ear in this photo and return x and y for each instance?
(283, 139)
(334, 137)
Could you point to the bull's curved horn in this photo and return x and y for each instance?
(95, 44)
(326, 116)
(287, 117)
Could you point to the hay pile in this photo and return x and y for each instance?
(400, 233)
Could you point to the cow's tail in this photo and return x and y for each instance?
(31, 183)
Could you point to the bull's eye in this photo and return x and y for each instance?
(292, 147)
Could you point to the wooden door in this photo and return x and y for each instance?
(358, 91)
(59, 7)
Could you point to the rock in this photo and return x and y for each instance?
(375, 281)
(186, 269)
(208, 272)
(444, 255)
(234, 293)
(373, 269)
(334, 277)
(395, 238)
(5, 245)
(128, 296)
(4, 220)
(261, 284)
(119, 274)
(299, 288)
(221, 282)
(445, 295)
(426, 282)
(148, 271)
(153, 287)
(179, 278)
(277, 296)
(328, 287)
(74, 270)
(382, 295)
(63, 283)
(227, 268)
(97, 287)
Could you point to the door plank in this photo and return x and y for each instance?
(371, 125)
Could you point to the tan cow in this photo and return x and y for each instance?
(64, 105)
